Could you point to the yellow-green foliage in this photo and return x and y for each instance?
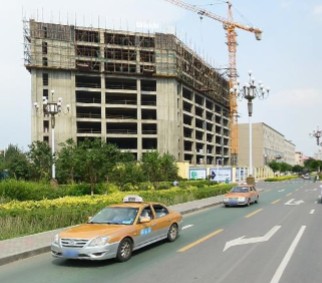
(165, 196)
(280, 178)
(19, 218)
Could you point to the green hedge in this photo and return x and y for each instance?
(280, 178)
(22, 218)
(11, 189)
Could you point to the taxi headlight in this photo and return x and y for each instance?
(99, 241)
(241, 199)
(56, 239)
(226, 199)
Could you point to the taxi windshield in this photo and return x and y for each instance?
(115, 215)
(239, 190)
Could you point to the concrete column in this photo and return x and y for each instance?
(139, 120)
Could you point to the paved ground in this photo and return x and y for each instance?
(23, 247)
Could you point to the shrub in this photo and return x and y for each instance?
(22, 190)
(19, 218)
(280, 178)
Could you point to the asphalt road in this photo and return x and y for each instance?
(277, 240)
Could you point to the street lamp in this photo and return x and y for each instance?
(250, 91)
(317, 134)
(52, 108)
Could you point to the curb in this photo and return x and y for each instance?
(23, 255)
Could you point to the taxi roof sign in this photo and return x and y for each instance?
(132, 198)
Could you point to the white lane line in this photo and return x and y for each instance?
(279, 272)
(312, 211)
(187, 226)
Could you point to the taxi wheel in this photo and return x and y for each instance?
(173, 233)
(124, 251)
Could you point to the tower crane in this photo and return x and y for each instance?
(229, 25)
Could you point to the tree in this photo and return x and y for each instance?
(67, 162)
(274, 165)
(15, 163)
(168, 167)
(127, 173)
(95, 159)
(159, 168)
(313, 165)
(41, 160)
(298, 169)
(111, 155)
(285, 167)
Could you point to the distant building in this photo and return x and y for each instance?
(140, 91)
(299, 158)
(268, 145)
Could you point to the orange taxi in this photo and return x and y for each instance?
(117, 230)
(241, 195)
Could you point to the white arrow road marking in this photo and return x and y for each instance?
(293, 202)
(282, 190)
(279, 272)
(187, 226)
(243, 241)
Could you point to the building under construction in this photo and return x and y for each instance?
(140, 91)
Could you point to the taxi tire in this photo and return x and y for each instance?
(173, 233)
(124, 250)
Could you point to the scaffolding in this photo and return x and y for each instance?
(56, 46)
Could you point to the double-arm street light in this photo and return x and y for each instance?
(250, 91)
(317, 135)
(51, 108)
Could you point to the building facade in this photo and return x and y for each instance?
(268, 145)
(139, 91)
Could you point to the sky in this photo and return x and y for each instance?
(288, 59)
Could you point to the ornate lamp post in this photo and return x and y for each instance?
(316, 134)
(52, 108)
(250, 91)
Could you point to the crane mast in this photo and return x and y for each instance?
(229, 25)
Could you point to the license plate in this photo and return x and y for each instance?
(70, 253)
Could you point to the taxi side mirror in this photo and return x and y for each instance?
(144, 219)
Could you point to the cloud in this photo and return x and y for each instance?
(317, 10)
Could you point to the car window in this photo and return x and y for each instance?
(240, 190)
(160, 210)
(245, 190)
(236, 190)
(115, 215)
(147, 212)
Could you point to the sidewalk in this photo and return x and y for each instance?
(23, 247)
